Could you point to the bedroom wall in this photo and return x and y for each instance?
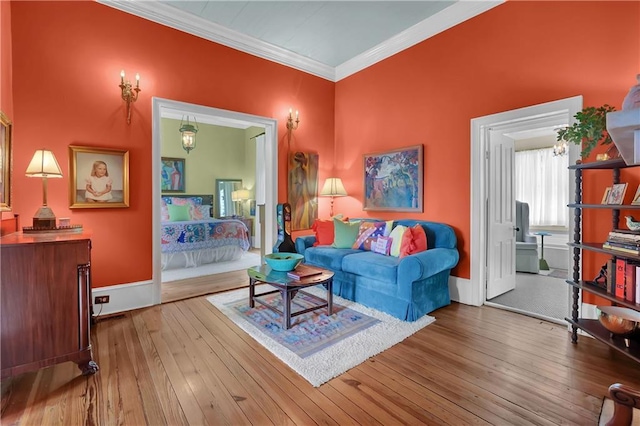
(6, 94)
(515, 55)
(67, 58)
(220, 153)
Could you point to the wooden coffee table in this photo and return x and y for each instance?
(288, 288)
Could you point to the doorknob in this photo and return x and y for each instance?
(515, 228)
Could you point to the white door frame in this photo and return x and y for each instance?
(270, 126)
(509, 120)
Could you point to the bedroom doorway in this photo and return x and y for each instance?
(265, 178)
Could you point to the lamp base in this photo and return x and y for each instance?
(44, 218)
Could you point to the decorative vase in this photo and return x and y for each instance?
(632, 100)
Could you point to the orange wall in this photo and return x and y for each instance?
(515, 55)
(67, 58)
(6, 99)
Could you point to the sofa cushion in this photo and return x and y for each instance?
(324, 232)
(372, 265)
(345, 233)
(414, 240)
(368, 233)
(396, 239)
(327, 256)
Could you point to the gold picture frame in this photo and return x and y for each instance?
(89, 187)
(605, 196)
(5, 162)
(616, 195)
(636, 197)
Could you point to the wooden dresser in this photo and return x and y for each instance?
(45, 300)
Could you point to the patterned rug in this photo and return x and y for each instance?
(310, 332)
(317, 346)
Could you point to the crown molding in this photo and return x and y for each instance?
(178, 19)
(435, 24)
(169, 16)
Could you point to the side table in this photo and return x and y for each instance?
(543, 263)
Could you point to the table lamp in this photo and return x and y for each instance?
(239, 196)
(333, 187)
(44, 165)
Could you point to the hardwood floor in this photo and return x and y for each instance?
(185, 363)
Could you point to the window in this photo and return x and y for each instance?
(542, 181)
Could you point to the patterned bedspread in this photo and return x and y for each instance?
(203, 234)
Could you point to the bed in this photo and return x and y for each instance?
(191, 237)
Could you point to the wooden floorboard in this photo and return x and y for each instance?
(186, 363)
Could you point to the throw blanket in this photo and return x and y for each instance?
(203, 234)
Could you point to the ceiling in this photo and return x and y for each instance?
(330, 39)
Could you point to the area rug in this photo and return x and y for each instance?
(318, 347)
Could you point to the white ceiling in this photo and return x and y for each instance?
(330, 39)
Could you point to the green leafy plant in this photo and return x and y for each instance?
(590, 128)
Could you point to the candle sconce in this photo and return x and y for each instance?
(129, 93)
(292, 125)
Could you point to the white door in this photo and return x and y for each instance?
(501, 236)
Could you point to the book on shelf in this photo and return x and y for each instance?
(620, 270)
(630, 281)
(621, 249)
(303, 271)
(610, 276)
(627, 245)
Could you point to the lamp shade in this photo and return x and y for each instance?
(44, 164)
(240, 194)
(333, 187)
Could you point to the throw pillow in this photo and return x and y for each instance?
(345, 233)
(178, 213)
(324, 231)
(368, 234)
(389, 228)
(413, 241)
(164, 213)
(396, 239)
(382, 246)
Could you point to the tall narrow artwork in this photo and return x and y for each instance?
(303, 189)
(393, 180)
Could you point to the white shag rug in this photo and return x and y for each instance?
(247, 260)
(341, 356)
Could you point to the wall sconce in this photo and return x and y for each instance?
(44, 165)
(292, 125)
(188, 132)
(128, 94)
(560, 149)
(239, 196)
(333, 187)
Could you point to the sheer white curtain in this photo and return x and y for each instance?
(542, 180)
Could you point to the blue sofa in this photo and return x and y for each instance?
(406, 288)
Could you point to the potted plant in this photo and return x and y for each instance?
(590, 128)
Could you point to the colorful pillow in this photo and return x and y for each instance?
(204, 211)
(324, 231)
(178, 213)
(368, 234)
(413, 241)
(345, 233)
(396, 239)
(389, 228)
(382, 245)
(164, 213)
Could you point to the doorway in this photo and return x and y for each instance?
(266, 175)
(544, 116)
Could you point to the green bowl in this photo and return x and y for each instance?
(283, 262)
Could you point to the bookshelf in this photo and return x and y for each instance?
(589, 326)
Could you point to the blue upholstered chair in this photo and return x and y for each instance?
(527, 259)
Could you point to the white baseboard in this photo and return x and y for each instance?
(461, 291)
(123, 297)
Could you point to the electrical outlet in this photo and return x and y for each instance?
(101, 299)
